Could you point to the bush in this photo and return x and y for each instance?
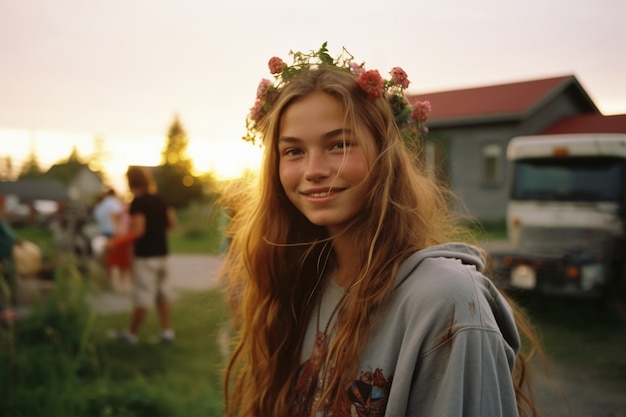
(57, 361)
(200, 230)
(49, 351)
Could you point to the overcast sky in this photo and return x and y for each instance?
(110, 67)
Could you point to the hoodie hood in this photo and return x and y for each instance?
(493, 299)
(467, 254)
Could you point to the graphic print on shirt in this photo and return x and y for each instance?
(369, 394)
(366, 397)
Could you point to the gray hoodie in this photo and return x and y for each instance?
(445, 345)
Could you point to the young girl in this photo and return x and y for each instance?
(350, 296)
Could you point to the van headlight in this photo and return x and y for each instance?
(591, 275)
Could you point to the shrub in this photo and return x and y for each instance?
(48, 351)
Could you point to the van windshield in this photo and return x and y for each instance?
(569, 179)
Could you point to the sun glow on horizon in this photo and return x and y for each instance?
(227, 159)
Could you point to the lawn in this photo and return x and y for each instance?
(62, 363)
(583, 334)
(200, 229)
(185, 376)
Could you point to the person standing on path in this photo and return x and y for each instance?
(151, 218)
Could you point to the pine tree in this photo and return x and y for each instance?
(6, 168)
(65, 171)
(30, 167)
(175, 178)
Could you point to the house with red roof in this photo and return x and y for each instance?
(469, 130)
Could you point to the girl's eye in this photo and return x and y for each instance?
(342, 144)
(292, 152)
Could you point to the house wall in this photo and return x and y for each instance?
(465, 165)
(469, 153)
(85, 187)
(467, 147)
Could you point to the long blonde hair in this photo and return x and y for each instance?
(274, 262)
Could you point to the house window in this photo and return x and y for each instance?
(435, 158)
(429, 159)
(492, 164)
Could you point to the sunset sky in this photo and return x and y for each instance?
(71, 70)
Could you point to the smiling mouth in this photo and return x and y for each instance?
(327, 193)
(321, 194)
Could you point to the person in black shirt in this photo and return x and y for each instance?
(151, 220)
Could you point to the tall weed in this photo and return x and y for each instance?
(49, 351)
(58, 362)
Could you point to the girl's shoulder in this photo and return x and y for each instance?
(442, 270)
(441, 284)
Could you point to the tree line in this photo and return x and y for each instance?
(174, 176)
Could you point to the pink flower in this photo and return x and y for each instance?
(372, 83)
(256, 112)
(276, 65)
(399, 77)
(262, 88)
(421, 111)
(356, 69)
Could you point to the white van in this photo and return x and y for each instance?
(566, 214)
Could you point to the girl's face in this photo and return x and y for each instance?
(323, 168)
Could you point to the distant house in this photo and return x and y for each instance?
(469, 131)
(83, 184)
(588, 123)
(30, 189)
(62, 185)
(23, 200)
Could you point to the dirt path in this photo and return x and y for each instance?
(568, 392)
(187, 273)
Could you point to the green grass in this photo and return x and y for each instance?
(60, 361)
(487, 230)
(187, 373)
(200, 229)
(42, 237)
(583, 334)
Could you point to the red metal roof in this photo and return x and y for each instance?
(589, 123)
(502, 99)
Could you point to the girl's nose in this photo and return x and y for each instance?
(317, 167)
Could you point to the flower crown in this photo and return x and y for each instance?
(410, 119)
